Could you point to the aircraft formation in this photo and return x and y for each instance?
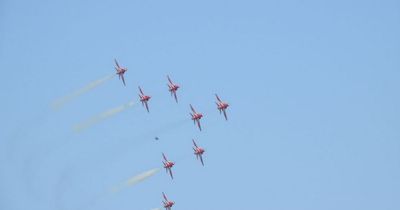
(195, 116)
(144, 99)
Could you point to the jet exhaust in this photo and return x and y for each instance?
(135, 180)
(102, 116)
(57, 104)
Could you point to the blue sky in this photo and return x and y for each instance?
(313, 87)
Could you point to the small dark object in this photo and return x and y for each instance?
(156, 138)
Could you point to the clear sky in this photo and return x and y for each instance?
(313, 87)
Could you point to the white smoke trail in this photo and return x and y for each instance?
(136, 179)
(128, 183)
(62, 101)
(102, 116)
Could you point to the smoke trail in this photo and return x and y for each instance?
(136, 179)
(102, 116)
(62, 101)
(130, 182)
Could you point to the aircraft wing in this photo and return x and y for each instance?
(218, 98)
(169, 79)
(191, 107)
(194, 143)
(147, 106)
(201, 159)
(140, 89)
(170, 172)
(116, 63)
(226, 117)
(165, 158)
(198, 123)
(165, 197)
(123, 79)
(176, 98)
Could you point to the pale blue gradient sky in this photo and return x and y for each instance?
(313, 86)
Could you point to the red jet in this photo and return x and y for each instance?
(196, 116)
(168, 165)
(120, 71)
(222, 106)
(144, 99)
(198, 151)
(173, 88)
(167, 204)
